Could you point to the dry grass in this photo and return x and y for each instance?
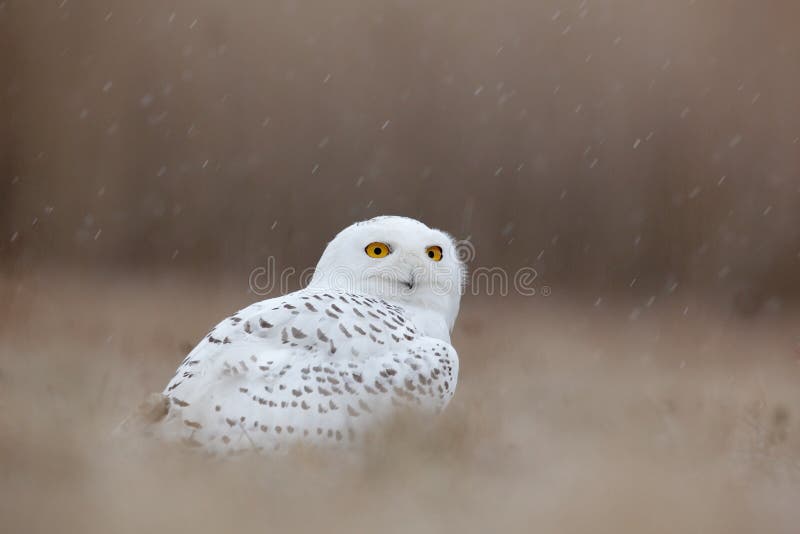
(569, 418)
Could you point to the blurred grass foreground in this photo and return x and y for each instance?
(569, 417)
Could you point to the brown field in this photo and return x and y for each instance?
(569, 417)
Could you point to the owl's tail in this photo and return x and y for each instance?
(152, 410)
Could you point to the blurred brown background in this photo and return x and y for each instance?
(598, 141)
(153, 152)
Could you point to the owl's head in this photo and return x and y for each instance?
(398, 259)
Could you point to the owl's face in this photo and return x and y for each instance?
(397, 259)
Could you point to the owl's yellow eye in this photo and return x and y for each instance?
(377, 250)
(434, 253)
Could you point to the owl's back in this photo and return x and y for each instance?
(317, 367)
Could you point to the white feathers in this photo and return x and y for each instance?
(322, 365)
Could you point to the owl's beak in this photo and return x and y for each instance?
(408, 283)
(412, 263)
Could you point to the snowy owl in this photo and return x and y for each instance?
(369, 335)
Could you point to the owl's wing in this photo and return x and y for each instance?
(312, 367)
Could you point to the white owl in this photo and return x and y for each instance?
(320, 366)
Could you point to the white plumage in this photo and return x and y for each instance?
(323, 365)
